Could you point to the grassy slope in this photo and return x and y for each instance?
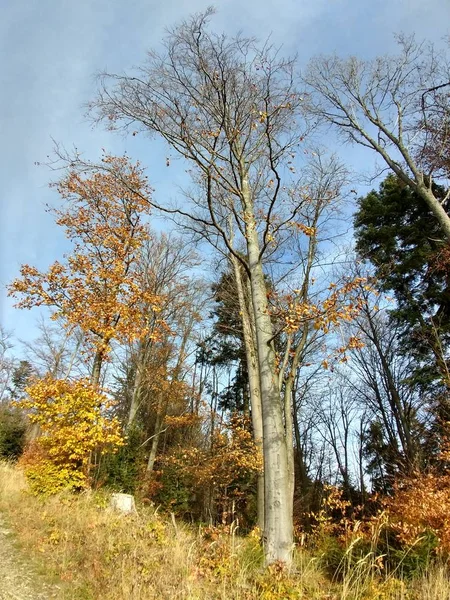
(98, 554)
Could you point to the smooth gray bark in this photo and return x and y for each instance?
(239, 124)
(253, 380)
(278, 517)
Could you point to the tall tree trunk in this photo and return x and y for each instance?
(97, 368)
(145, 348)
(253, 378)
(289, 394)
(299, 459)
(137, 389)
(95, 381)
(278, 521)
(156, 435)
(162, 403)
(361, 463)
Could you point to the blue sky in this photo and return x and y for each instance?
(51, 49)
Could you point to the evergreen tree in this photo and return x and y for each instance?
(398, 234)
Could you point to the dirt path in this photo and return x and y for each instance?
(18, 581)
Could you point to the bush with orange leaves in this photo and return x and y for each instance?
(421, 505)
(220, 473)
(75, 427)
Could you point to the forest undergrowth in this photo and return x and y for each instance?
(96, 553)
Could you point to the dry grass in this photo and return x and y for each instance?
(102, 554)
(435, 585)
(145, 556)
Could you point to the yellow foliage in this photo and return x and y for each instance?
(276, 584)
(74, 423)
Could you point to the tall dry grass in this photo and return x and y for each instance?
(99, 554)
(103, 554)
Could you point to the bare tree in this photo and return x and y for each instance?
(232, 108)
(55, 351)
(380, 382)
(165, 267)
(338, 415)
(7, 364)
(397, 106)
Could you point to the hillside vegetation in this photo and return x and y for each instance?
(97, 553)
(273, 390)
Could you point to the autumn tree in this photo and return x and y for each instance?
(75, 428)
(165, 270)
(153, 378)
(98, 289)
(397, 106)
(233, 110)
(218, 472)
